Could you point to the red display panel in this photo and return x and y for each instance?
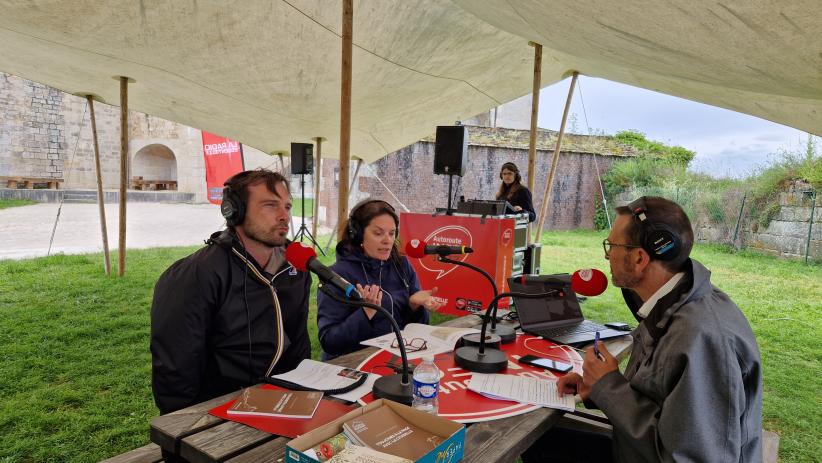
(461, 289)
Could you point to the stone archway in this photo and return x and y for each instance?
(154, 167)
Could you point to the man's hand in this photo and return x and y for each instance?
(572, 383)
(372, 294)
(425, 299)
(595, 368)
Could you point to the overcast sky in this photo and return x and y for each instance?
(727, 143)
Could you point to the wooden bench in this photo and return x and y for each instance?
(139, 183)
(29, 182)
(147, 454)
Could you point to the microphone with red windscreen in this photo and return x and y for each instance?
(304, 258)
(418, 249)
(589, 282)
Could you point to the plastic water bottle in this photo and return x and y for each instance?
(426, 386)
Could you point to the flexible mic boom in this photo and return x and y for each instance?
(418, 249)
(304, 259)
(589, 282)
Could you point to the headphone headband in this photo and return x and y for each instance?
(355, 228)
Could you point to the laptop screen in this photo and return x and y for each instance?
(556, 310)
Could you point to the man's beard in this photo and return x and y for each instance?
(625, 278)
(270, 237)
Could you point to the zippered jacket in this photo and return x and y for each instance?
(692, 390)
(209, 308)
(342, 326)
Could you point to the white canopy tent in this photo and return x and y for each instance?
(267, 72)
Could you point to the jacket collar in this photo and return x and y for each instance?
(228, 240)
(694, 285)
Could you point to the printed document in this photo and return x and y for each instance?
(324, 376)
(523, 389)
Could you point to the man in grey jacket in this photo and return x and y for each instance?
(692, 390)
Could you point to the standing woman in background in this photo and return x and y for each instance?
(513, 191)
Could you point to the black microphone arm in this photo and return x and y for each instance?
(395, 387)
(474, 357)
(506, 335)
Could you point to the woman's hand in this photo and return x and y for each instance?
(372, 294)
(518, 208)
(426, 299)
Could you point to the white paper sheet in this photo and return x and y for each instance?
(324, 376)
(523, 389)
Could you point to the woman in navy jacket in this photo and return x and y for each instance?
(369, 257)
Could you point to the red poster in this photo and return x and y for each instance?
(463, 290)
(459, 404)
(223, 158)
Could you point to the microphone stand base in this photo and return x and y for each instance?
(505, 332)
(473, 340)
(469, 358)
(391, 388)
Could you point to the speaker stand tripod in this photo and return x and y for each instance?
(303, 231)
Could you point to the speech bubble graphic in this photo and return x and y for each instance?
(451, 235)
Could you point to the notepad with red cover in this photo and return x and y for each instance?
(327, 411)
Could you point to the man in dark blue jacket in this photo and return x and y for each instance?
(235, 310)
(369, 257)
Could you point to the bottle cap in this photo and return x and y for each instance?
(428, 358)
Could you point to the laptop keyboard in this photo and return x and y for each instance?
(585, 326)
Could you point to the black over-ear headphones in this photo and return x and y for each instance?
(513, 168)
(356, 229)
(232, 207)
(658, 240)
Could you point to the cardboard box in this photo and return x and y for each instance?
(450, 451)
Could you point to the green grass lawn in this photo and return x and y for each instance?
(75, 366)
(297, 204)
(7, 203)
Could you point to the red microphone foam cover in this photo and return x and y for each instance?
(298, 255)
(589, 282)
(415, 248)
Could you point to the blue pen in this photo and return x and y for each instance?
(596, 346)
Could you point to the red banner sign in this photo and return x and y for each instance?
(223, 158)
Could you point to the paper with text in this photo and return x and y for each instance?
(521, 389)
(438, 339)
(324, 376)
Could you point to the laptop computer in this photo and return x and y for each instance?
(557, 318)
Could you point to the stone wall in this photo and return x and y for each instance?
(33, 131)
(786, 234)
(407, 173)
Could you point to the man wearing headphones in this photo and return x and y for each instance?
(369, 257)
(235, 310)
(692, 390)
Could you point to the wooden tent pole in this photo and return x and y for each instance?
(101, 203)
(318, 172)
(123, 172)
(549, 186)
(345, 110)
(351, 187)
(532, 142)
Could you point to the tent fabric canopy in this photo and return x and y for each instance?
(267, 73)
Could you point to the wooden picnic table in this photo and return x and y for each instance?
(202, 438)
(16, 182)
(139, 183)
